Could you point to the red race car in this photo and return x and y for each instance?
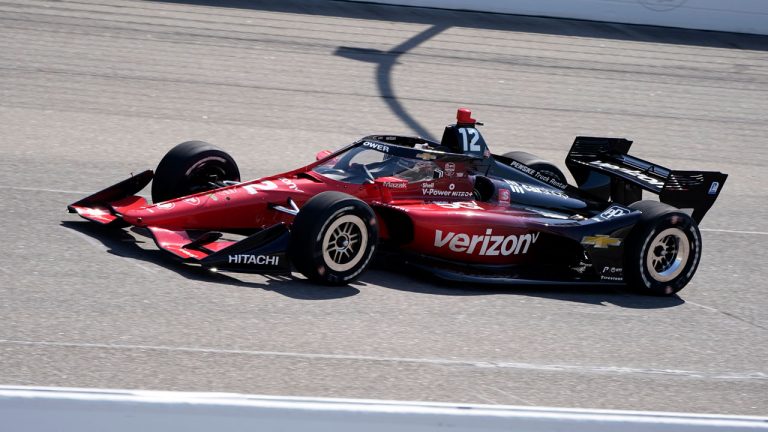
(449, 207)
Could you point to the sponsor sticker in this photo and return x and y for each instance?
(600, 241)
(465, 205)
(450, 169)
(612, 212)
(376, 146)
(253, 259)
(612, 273)
(192, 201)
(634, 173)
(485, 245)
(395, 185)
(522, 188)
(429, 189)
(291, 185)
(713, 188)
(524, 168)
(166, 205)
(504, 196)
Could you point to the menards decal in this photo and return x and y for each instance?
(485, 245)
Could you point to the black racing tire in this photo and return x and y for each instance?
(189, 168)
(662, 251)
(333, 238)
(543, 166)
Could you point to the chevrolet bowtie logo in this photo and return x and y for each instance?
(426, 156)
(601, 241)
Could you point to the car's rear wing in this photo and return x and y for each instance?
(602, 167)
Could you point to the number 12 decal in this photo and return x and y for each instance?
(470, 145)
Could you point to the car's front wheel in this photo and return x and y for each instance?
(662, 251)
(192, 167)
(333, 238)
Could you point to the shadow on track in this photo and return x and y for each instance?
(417, 281)
(440, 20)
(386, 61)
(123, 243)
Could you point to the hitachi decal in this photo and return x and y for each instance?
(486, 245)
(253, 259)
(634, 173)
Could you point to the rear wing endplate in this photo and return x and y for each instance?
(603, 167)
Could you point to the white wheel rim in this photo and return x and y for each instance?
(667, 255)
(344, 243)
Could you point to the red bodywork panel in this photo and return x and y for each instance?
(471, 232)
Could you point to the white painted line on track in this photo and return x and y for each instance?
(30, 189)
(429, 361)
(709, 308)
(733, 231)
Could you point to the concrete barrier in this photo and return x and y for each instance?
(743, 16)
(35, 409)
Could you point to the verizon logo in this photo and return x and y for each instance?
(486, 245)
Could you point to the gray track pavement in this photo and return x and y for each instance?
(91, 91)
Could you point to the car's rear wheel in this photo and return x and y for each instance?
(192, 167)
(662, 251)
(333, 238)
(544, 167)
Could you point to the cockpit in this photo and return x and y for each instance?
(371, 160)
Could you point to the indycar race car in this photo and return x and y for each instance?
(451, 207)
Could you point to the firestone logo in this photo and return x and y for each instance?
(486, 245)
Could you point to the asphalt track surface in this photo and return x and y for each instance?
(91, 91)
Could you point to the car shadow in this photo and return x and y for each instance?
(417, 281)
(132, 244)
